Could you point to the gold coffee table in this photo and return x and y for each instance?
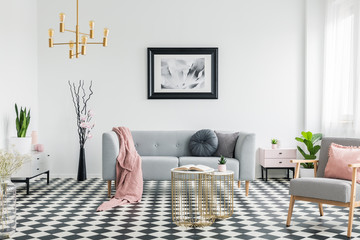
(191, 198)
(223, 193)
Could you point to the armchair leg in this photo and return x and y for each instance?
(321, 210)
(109, 188)
(239, 184)
(247, 184)
(351, 217)
(291, 207)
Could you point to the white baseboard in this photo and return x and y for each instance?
(73, 175)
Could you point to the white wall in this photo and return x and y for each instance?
(18, 64)
(261, 70)
(315, 25)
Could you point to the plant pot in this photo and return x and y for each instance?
(306, 172)
(274, 146)
(20, 145)
(222, 167)
(7, 207)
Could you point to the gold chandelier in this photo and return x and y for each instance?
(84, 38)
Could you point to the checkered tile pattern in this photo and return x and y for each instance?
(65, 209)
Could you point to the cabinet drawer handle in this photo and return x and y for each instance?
(280, 152)
(38, 158)
(48, 155)
(280, 162)
(37, 169)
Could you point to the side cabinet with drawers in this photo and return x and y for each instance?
(276, 159)
(37, 165)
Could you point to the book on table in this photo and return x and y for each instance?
(191, 167)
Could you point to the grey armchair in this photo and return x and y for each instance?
(323, 190)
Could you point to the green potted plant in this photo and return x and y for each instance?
(274, 143)
(21, 143)
(222, 164)
(309, 139)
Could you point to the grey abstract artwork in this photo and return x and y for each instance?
(186, 73)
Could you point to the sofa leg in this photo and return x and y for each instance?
(247, 185)
(239, 184)
(321, 210)
(109, 188)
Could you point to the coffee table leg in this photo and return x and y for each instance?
(262, 173)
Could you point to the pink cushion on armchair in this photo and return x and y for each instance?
(339, 159)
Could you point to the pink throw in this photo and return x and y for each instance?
(129, 180)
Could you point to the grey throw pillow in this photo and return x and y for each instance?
(227, 142)
(203, 143)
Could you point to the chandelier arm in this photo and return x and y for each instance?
(67, 30)
(94, 43)
(61, 43)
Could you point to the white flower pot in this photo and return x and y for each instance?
(306, 172)
(274, 146)
(222, 167)
(20, 145)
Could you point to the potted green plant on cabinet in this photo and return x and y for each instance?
(274, 143)
(21, 143)
(309, 139)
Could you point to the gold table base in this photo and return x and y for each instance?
(198, 198)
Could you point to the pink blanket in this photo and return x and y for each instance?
(129, 180)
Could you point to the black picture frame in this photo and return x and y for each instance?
(207, 56)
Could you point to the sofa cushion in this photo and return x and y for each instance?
(226, 145)
(231, 164)
(203, 143)
(323, 188)
(158, 167)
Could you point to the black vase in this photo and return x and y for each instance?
(82, 165)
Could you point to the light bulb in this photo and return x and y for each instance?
(106, 32)
(71, 44)
(62, 17)
(91, 24)
(84, 40)
(51, 32)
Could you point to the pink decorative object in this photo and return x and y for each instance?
(34, 138)
(274, 146)
(222, 167)
(39, 147)
(339, 159)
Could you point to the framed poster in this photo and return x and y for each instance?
(182, 73)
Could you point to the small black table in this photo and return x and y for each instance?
(27, 180)
(266, 172)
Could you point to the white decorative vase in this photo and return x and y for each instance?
(20, 145)
(7, 207)
(306, 172)
(274, 146)
(222, 167)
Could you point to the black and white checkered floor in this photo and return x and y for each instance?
(65, 209)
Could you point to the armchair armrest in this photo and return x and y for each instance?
(303, 161)
(298, 161)
(354, 165)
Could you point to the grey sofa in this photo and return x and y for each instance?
(161, 151)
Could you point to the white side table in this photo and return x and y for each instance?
(36, 166)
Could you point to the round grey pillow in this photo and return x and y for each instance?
(203, 143)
